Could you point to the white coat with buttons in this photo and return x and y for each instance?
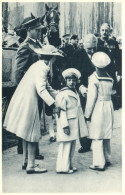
(71, 115)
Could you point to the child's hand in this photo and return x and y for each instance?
(67, 130)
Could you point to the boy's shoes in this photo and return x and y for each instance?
(107, 164)
(74, 169)
(39, 157)
(83, 150)
(52, 139)
(24, 166)
(97, 168)
(67, 172)
(35, 169)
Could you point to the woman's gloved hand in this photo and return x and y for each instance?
(67, 130)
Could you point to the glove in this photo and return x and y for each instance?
(67, 130)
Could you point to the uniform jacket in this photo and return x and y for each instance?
(82, 62)
(22, 117)
(113, 52)
(25, 57)
(99, 107)
(71, 115)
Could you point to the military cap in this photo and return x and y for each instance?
(74, 37)
(32, 22)
(66, 35)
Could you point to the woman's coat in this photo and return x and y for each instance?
(99, 107)
(71, 115)
(22, 117)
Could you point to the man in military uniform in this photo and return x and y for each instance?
(26, 57)
(105, 41)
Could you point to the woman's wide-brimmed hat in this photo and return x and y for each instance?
(49, 50)
(70, 71)
(100, 59)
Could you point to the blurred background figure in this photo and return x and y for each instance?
(80, 44)
(119, 40)
(9, 38)
(111, 33)
(74, 41)
(69, 46)
(65, 43)
(66, 39)
(4, 34)
(96, 35)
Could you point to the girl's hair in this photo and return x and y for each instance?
(69, 76)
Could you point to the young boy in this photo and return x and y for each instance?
(99, 111)
(70, 123)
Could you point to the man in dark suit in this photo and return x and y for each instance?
(82, 62)
(26, 57)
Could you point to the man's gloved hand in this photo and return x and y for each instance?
(83, 90)
(67, 130)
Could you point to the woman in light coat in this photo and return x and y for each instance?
(70, 123)
(99, 111)
(22, 117)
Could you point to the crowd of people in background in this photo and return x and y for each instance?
(79, 55)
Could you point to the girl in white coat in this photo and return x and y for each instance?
(70, 123)
(22, 117)
(99, 111)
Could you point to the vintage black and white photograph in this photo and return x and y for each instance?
(61, 97)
